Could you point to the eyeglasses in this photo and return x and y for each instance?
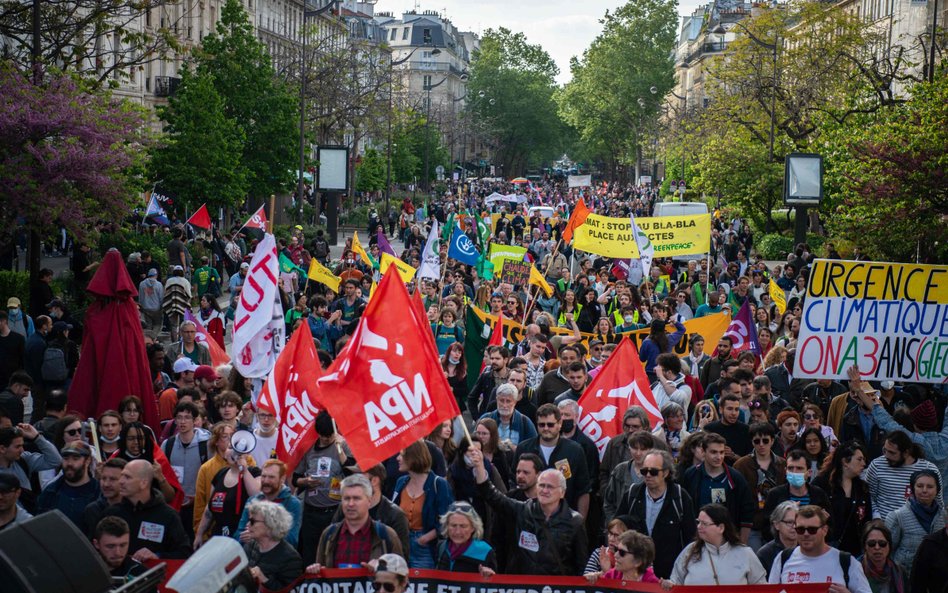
(800, 529)
(701, 523)
(389, 587)
(73, 432)
(253, 521)
(761, 441)
(622, 553)
(632, 427)
(809, 416)
(546, 424)
(650, 471)
(877, 543)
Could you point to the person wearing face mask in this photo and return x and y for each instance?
(798, 488)
(569, 414)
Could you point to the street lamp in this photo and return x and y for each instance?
(391, 112)
(303, 71)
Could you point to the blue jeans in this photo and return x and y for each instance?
(419, 555)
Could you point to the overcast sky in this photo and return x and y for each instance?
(563, 27)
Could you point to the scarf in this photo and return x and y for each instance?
(924, 514)
(456, 550)
(887, 575)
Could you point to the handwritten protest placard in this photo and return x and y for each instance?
(515, 272)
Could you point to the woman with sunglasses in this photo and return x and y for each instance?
(922, 514)
(850, 503)
(883, 574)
(602, 558)
(463, 548)
(634, 554)
(273, 562)
(717, 556)
(813, 418)
(390, 574)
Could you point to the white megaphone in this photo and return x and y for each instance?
(243, 442)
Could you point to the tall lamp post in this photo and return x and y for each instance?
(391, 114)
(307, 14)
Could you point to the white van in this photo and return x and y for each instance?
(682, 209)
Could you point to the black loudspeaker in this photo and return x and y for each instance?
(48, 554)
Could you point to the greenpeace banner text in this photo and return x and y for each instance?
(890, 319)
(621, 383)
(258, 323)
(290, 395)
(343, 580)
(670, 235)
(386, 390)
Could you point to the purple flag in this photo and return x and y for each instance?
(384, 246)
(743, 331)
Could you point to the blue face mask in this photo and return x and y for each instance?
(796, 480)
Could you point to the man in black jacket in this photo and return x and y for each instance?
(495, 374)
(551, 539)
(715, 482)
(156, 528)
(673, 526)
(797, 488)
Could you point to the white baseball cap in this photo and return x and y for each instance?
(184, 365)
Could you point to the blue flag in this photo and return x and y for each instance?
(156, 212)
(462, 249)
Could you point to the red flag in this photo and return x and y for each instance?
(258, 220)
(201, 218)
(576, 219)
(387, 389)
(290, 395)
(496, 338)
(621, 383)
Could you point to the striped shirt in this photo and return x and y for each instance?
(889, 486)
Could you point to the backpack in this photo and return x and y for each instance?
(380, 531)
(320, 249)
(844, 560)
(168, 446)
(29, 498)
(54, 365)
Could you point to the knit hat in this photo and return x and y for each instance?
(924, 416)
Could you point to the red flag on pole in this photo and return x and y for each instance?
(387, 389)
(257, 221)
(290, 395)
(577, 218)
(219, 356)
(621, 383)
(201, 218)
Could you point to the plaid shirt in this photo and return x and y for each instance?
(353, 548)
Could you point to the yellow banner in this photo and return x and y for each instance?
(709, 327)
(404, 270)
(498, 253)
(881, 281)
(321, 274)
(670, 235)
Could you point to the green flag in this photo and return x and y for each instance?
(485, 269)
(287, 265)
(448, 229)
(475, 342)
(483, 231)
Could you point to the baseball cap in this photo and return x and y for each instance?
(76, 448)
(152, 272)
(245, 266)
(8, 482)
(61, 326)
(177, 269)
(206, 372)
(184, 365)
(13, 302)
(392, 563)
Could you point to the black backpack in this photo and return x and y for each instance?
(54, 365)
(845, 558)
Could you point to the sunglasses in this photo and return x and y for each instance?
(650, 471)
(546, 424)
(389, 587)
(809, 416)
(760, 441)
(877, 543)
(621, 553)
(800, 529)
(73, 432)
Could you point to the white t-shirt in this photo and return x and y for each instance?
(265, 449)
(546, 452)
(821, 569)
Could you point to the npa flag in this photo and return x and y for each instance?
(621, 383)
(384, 245)
(290, 394)
(320, 273)
(258, 323)
(431, 257)
(646, 249)
(155, 212)
(201, 218)
(218, 355)
(743, 332)
(462, 249)
(576, 219)
(387, 390)
(258, 221)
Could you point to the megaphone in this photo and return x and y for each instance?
(243, 442)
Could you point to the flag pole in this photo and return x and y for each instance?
(272, 213)
(707, 284)
(467, 432)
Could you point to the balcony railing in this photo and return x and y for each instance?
(165, 86)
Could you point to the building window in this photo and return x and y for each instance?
(392, 36)
(426, 81)
(404, 33)
(426, 34)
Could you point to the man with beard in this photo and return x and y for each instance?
(273, 489)
(73, 491)
(494, 375)
(889, 476)
(109, 476)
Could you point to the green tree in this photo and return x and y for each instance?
(609, 100)
(370, 173)
(887, 175)
(517, 81)
(261, 106)
(200, 158)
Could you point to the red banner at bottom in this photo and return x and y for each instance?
(438, 581)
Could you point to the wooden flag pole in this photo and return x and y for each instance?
(272, 213)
